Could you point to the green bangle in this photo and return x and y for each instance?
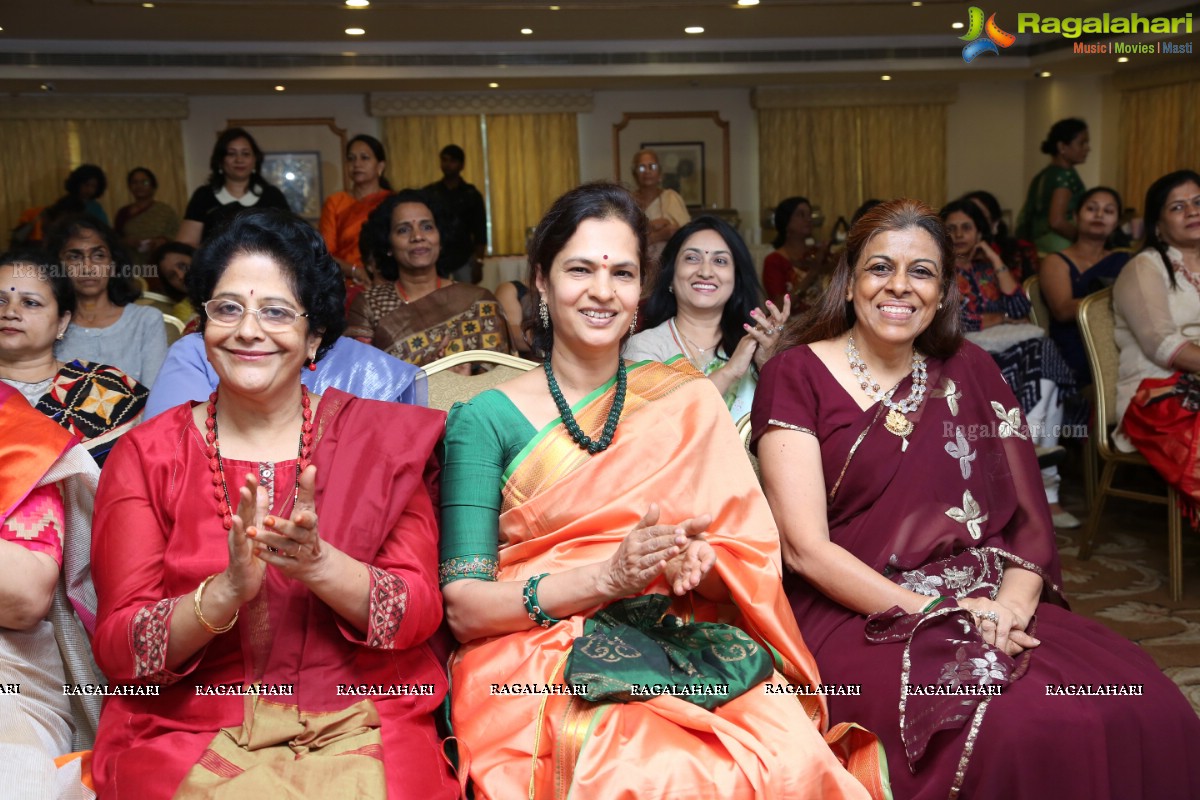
(532, 607)
(934, 603)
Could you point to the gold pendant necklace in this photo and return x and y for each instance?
(896, 422)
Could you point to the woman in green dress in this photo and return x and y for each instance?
(1048, 216)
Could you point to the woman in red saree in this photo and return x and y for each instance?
(557, 572)
(285, 635)
(923, 559)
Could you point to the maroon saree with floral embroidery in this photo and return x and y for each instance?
(946, 515)
(359, 720)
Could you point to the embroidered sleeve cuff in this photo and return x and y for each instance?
(149, 635)
(789, 426)
(388, 602)
(479, 567)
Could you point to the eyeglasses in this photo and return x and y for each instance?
(647, 168)
(227, 312)
(99, 255)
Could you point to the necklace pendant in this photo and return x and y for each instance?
(898, 424)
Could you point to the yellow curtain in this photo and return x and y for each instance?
(119, 145)
(1158, 134)
(413, 143)
(33, 165)
(838, 157)
(532, 159)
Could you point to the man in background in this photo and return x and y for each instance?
(463, 249)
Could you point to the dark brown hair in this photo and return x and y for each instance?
(834, 315)
(599, 200)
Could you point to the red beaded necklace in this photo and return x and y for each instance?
(217, 467)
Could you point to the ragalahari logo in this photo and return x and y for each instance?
(994, 37)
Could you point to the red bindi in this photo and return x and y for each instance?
(606, 258)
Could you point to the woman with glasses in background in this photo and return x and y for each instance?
(107, 326)
(285, 617)
(663, 207)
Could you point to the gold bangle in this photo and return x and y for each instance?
(197, 598)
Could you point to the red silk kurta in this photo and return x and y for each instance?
(157, 535)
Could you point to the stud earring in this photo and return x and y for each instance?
(544, 314)
(60, 336)
(671, 289)
(633, 322)
(939, 306)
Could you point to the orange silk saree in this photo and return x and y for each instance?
(560, 509)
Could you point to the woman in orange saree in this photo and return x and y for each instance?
(538, 566)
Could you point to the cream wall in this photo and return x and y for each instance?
(596, 148)
(209, 113)
(985, 142)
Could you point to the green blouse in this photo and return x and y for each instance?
(1033, 223)
(484, 437)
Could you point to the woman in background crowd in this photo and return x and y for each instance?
(47, 603)
(663, 207)
(1156, 301)
(922, 562)
(344, 213)
(419, 316)
(145, 224)
(235, 183)
(1048, 217)
(173, 260)
(107, 326)
(704, 307)
(995, 315)
(95, 402)
(582, 502)
(514, 299)
(84, 186)
(1018, 255)
(329, 550)
(796, 268)
(1085, 267)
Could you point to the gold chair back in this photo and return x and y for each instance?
(1040, 313)
(174, 327)
(447, 387)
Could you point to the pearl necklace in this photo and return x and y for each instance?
(896, 423)
(217, 466)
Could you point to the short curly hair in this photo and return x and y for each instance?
(299, 251)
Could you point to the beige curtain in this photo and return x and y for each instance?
(1158, 134)
(838, 157)
(119, 145)
(33, 165)
(532, 159)
(413, 143)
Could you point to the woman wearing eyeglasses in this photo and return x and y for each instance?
(107, 327)
(663, 207)
(281, 592)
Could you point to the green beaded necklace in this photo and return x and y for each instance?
(564, 411)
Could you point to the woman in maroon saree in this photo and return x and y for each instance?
(927, 570)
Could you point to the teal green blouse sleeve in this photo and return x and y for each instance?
(483, 436)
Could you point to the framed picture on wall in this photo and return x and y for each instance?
(692, 148)
(682, 168)
(298, 176)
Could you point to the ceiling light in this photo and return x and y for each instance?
(885, 77)
(958, 26)
(280, 88)
(693, 29)
(526, 31)
(45, 87)
(355, 31)
(1043, 74)
(358, 3)
(916, 4)
(1123, 60)
(147, 5)
(493, 85)
(747, 2)
(555, 8)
